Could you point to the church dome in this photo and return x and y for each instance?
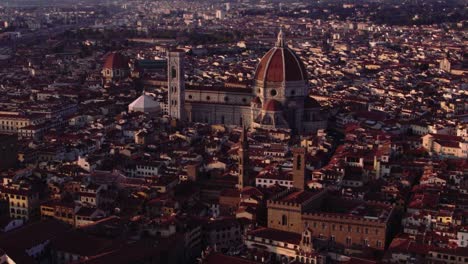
(144, 103)
(272, 106)
(116, 60)
(280, 64)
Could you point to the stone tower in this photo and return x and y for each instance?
(176, 84)
(244, 179)
(299, 168)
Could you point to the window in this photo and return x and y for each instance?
(226, 99)
(298, 162)
(208, 98)
(273, 92)
(173, 72)
(348, 241)
(284, 220)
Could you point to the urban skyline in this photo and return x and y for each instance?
(236, 131)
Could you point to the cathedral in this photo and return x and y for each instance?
(278, 99)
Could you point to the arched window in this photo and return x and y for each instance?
(284, 220)
(173, 72)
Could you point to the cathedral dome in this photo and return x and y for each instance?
(280, 64)
(116, 60)
(272, 106)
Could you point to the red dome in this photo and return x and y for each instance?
(310, 102)
(116, 60)
(280, 64)
(273, 106)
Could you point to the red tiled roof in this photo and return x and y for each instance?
(79, 243)
(272, 105)
(16, 242)
(298, 196)
(276, 235)
(280, 64)
(116, 60)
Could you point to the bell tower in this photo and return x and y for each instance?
(176, 84)
(243, 178)
(299, 168)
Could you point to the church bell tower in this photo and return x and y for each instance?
(243, 179)
(299, 168)
(176, 84)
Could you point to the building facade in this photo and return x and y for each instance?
(343, 221)
(8, 151)
(23, 201)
